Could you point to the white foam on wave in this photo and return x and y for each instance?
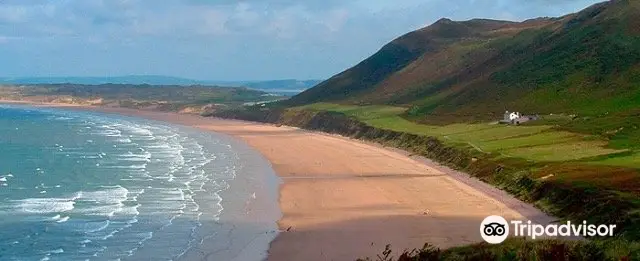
(130, 156)
(109, 133)
(113, 194)
(118, 201)
(124, 140)
(101, 225)
(57, 251)
(45, 205)
(110, 235)
(112, 202)
(140, 131)
(136, 179)
(130, 211)
(63, 219)
(159, 146)
(104, 202)
(133, 167)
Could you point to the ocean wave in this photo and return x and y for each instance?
(45, 205)
(108, 133)
(123, 217)
(111, 195)
(57, 251)
(124, 140)
(59, 118)
(136, 167)
(160, 146)
(130, 156)
(140, 131)
(88, 226)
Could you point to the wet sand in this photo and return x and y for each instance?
(343, 199)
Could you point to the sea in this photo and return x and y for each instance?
(81, 185)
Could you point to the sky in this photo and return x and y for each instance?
(224, 39)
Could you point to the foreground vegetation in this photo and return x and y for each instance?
(522, 250)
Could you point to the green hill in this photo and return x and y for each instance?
(436, 92)
(587, 63)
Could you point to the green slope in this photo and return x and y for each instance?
(436, 92)
(586, 63)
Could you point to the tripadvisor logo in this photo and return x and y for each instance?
(495, 229)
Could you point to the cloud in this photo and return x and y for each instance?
(12, 14)
(246, 39)
(181, 18)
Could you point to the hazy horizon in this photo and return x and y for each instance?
(253, 40)
(2, 77)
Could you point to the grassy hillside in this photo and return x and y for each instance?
(581, 72)
(585, 63)
(392, 58)
(438, 91)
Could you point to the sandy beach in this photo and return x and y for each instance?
(343, 199)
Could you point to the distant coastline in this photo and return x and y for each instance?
(285, 86)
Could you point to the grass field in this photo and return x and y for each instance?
(540, 143)
(631, 161)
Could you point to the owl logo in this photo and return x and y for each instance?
(494, 229)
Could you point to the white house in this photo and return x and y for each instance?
(511, 116)
(517, 118)
(514, 116)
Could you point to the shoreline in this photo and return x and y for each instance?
(250, 209)
(346, 199)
